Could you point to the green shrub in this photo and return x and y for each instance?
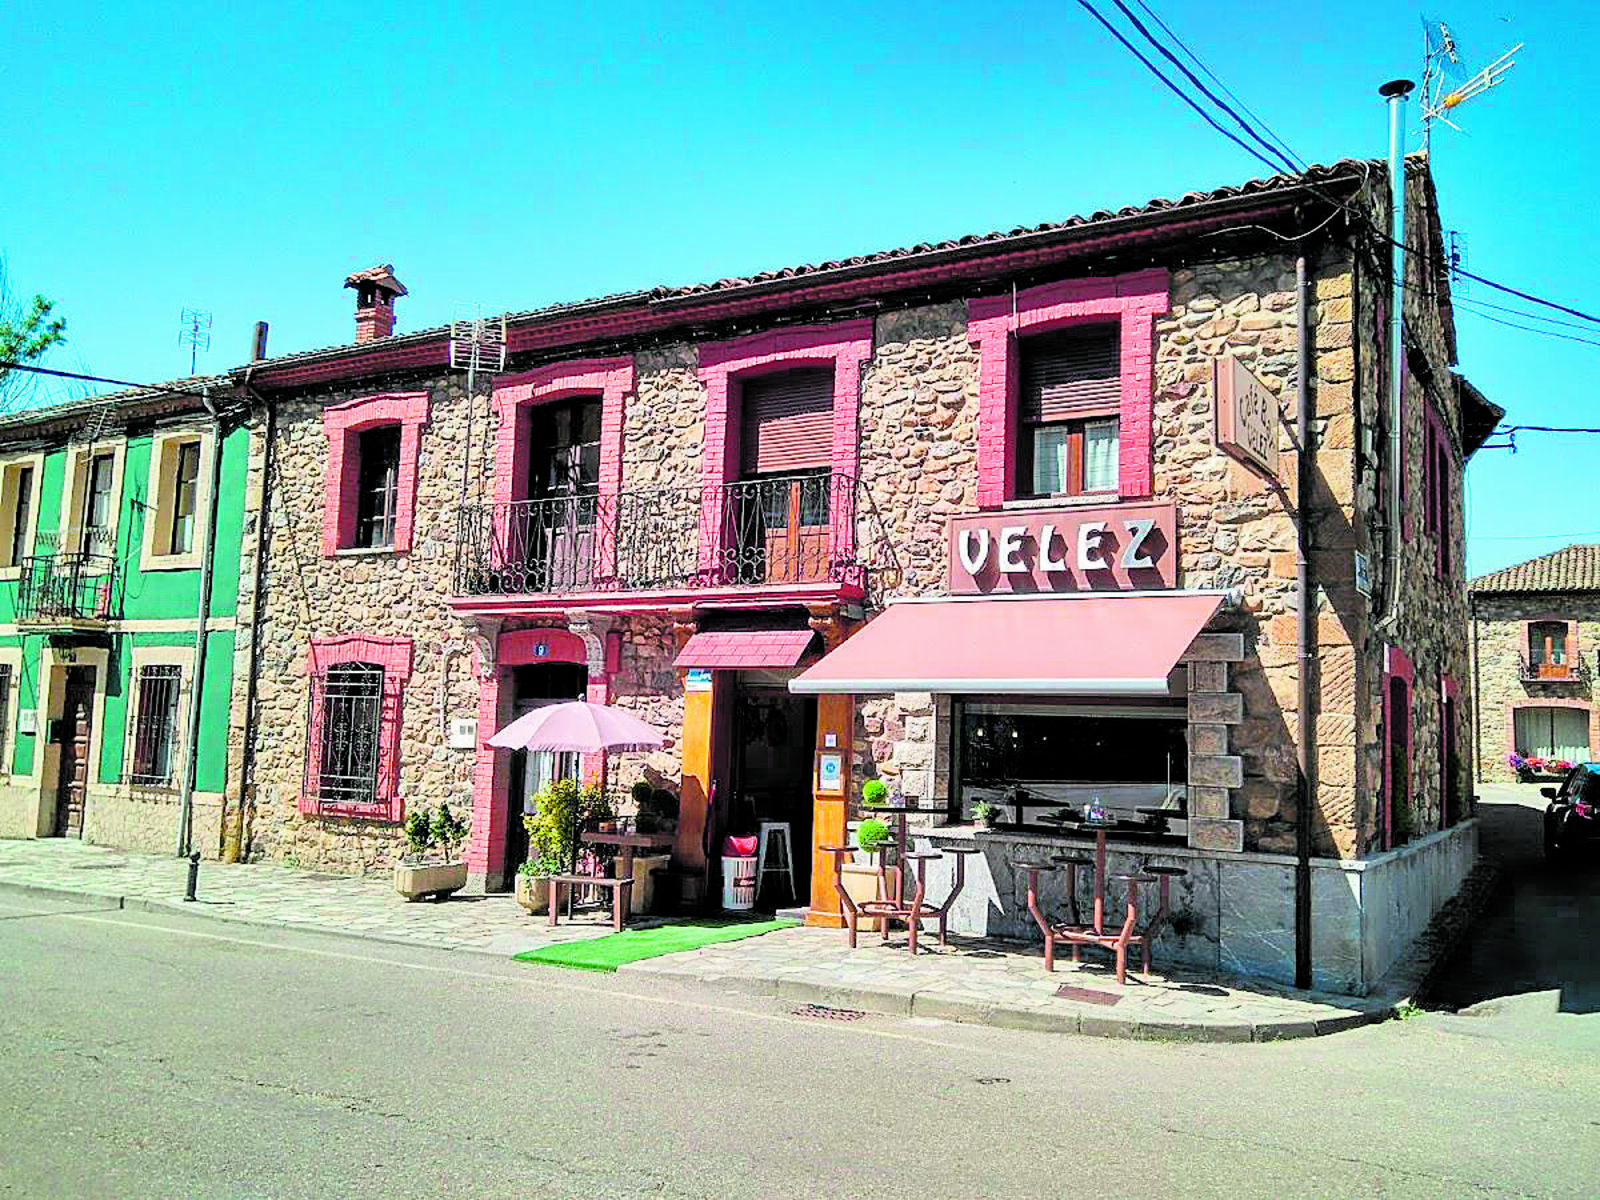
(418, 831)
(874, 793)
(872, 834)
(561, 812)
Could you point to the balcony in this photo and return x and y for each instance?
(66, 592)
(1572, 670)
(801, 536)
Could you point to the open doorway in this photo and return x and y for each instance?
(774, 742)
(534, 686)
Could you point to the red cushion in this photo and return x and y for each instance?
(739, 847)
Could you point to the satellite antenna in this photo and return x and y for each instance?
(194, 331)
(476, 345)
(1446, 85)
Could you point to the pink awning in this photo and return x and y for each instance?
(1081, 645)
(728, 650)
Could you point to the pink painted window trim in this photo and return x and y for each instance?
(612, 379)
(723, 365)
(1397, 665)
(1547, 702)
(995, 323)
(394, 655)
(342, 423)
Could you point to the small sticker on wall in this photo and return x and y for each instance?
(697, 679)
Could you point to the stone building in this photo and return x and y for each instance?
(123, 522)
(1007, 518)
(1534, 654)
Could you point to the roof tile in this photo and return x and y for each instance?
(1570, 569)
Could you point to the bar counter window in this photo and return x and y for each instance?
(1065, 755)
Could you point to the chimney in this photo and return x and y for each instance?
(258, 344)
(376, 291)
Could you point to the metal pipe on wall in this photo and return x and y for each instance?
(196, 687)
(1306, 624)
(1395, 91)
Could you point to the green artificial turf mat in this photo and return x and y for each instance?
(631, 945)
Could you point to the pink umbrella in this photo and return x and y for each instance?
(579, 726)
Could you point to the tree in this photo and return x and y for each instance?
(27, 330)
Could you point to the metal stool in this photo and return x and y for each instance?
(768, 834)
(1072, 862)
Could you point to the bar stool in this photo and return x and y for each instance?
(769, 835)
(1166, 875)
(1072, 862)
(1126, 936)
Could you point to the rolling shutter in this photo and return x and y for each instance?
(1071, 374)
(787, 422)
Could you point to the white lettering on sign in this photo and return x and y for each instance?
(1011, 549)
(1132, 559)
(1090, 535)
(1247, 416)
(973, 560)
(1047, 560)
(1126, 545)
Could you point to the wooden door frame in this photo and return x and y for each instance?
(53, 667)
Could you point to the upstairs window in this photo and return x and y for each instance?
(16, 513)
(1069, 412)
(179, 490)
(97, 504)
(90, 499)
(186, 484)
(786, 422)
(377, 486)
(565, 442)
(1547, 649)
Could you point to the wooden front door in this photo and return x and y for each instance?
(77, 723)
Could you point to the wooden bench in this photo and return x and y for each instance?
(621, 895)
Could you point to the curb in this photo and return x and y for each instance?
(926, 1003)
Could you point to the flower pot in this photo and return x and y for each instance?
(416, 880)
(533, 893)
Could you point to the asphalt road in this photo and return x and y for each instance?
(148, 1055)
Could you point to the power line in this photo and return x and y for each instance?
(1550, 333)
(1516, 312)
(1530, 537)
(154, 388)
(1275, 168)
(1287, 163)
(1212, 75)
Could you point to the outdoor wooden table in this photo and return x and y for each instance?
(627, 844)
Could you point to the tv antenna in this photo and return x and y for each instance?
(1446, 85)
(478, 344)
(194, 331)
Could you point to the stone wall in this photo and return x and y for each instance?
(308, 595)
(1499, 637)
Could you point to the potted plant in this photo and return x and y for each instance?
(872, 835)
(987, 813)
(431, 866)
(874, 793)
(561, 813)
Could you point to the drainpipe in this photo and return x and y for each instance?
(1477, 706)
(233, 846)
(1395, 91)
(1306, 626)
(196, 689)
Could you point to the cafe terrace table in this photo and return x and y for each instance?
(627, 844)
(1095, 933)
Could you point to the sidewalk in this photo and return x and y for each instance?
(974, 981)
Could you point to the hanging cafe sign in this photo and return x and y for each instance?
(1120, 547)
(1247, 417)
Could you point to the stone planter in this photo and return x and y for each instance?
(416, 880)
(533, 892)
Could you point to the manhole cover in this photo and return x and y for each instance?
(987, 1080)
(826, 1012)
(1088, 995)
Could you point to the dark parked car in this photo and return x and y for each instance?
(1572, 818)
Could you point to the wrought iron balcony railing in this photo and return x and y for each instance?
(66, 588)
(1574, 669)
(794, 529)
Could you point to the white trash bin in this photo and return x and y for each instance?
(739, 883)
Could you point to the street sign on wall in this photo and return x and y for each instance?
(1247, 417)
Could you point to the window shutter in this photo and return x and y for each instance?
(1071, 373)
(786, 422)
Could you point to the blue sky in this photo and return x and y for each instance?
(243, 159)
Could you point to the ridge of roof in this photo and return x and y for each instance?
(1574, 568)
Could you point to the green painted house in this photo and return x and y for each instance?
(121, 520)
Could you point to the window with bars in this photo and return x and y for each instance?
(344, 765)
(1069, 412)
(155, 727)
(377, 486)
(5, 714)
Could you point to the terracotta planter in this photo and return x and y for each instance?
(533, 892)
(416, 880)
